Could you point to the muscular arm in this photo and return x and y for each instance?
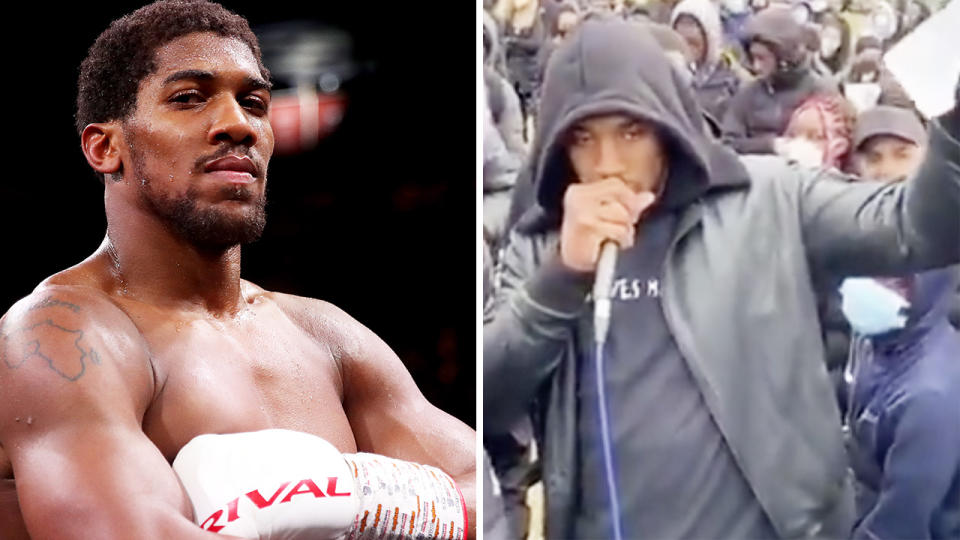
(75, 380)
(387, 412)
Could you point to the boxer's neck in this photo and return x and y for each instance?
(154, 265)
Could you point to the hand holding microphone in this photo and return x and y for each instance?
(598, 221)
(594, 213)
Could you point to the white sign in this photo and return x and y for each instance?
(927, 61)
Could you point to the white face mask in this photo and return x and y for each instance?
(801, 151)
(871, 308)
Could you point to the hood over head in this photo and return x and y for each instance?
(706, 14)
(612, 66)
(776, 27)
(931, 295)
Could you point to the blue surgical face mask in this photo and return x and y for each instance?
(871, 308)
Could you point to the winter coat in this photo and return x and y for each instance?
(904, 420)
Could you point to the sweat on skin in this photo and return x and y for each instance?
(174, 343)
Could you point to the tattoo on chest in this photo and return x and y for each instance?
(34, 342)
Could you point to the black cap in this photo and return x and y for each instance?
(891, 121)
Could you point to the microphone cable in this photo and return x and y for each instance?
(601, 322)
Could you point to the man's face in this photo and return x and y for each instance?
(692, 33)
(887, 158)
(617, 146)
(199, 141)
(762, 59)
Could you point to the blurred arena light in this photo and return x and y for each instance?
(310, 63)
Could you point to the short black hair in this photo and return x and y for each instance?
(125, 53)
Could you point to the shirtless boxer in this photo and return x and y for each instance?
(111, 367)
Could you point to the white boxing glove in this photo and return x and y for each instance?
(277, 484)
(273, 484)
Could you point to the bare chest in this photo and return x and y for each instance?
(257, 374)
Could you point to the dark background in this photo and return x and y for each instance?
(379, 219)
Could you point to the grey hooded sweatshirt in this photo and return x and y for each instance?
(748, 238)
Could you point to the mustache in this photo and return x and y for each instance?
(226, 150)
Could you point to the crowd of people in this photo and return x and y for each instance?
(798, 210)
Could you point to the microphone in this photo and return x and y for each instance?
(602, 285)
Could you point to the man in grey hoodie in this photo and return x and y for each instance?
(722, 420)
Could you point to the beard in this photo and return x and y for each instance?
(207, 228)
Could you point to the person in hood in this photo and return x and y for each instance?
(904, 416)
(677, 52)
(714, 82)
(776, 47)
(708, 412)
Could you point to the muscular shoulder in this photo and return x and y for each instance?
(365, 361)
(343, 335)
(63, 346)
